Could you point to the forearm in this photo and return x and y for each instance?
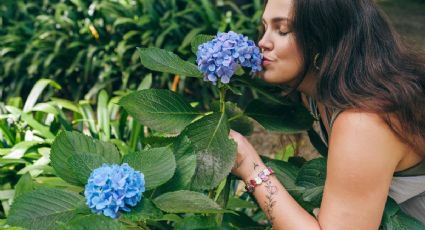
(281, 209)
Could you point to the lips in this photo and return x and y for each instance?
(266, 61)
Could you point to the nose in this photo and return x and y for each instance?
(265, 43)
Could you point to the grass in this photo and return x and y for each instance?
(408, 17)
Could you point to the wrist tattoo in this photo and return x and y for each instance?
(270, 201)
(256, 165)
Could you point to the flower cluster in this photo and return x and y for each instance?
(111, 188)
(220, 57)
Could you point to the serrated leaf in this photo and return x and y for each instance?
(186, 202)
(198, 40)
(185, 164)
(162, 110)
(83, 164)
(41, 208)
(215, 152)
(144, 210)
(164, 61)
(280, 118)
(157, 165)
(92, 222)
(75, 145)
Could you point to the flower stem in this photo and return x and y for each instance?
(222, 96)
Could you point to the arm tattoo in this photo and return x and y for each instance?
(256, 165)
(270, 202)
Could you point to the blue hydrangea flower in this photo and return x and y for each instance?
(113, 188)
(220, 57)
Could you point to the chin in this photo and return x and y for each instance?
(273, 78)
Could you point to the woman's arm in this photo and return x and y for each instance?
(363, 154)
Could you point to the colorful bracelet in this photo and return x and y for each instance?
(263, 176)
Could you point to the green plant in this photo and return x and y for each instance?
(87, 46)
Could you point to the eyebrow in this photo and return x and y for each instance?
(277, 19)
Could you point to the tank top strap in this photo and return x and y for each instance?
(416, 170)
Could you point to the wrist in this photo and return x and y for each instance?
(262, 177)
(251, 168)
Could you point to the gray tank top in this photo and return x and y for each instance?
(407, 186)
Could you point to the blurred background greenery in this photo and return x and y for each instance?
(65, 63)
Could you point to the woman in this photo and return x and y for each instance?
(368, 90)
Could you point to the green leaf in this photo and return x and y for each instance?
(196, 222)
(198, 40)
(162, 110)
(286, 173)
(189, 37)
(24, 185)
(235, 202)
(69, 153)
(312, 173)
(63, 103)
(29, 119)
(103, 116)
(92, 222)
(186, 164)
(19, 150)
(83, 164)
(41, 208)
(215, 152)
(157, 165)
(240, 220)
(146, 82)
(394, 218)
(238, 121)
(164, 61)
(144, 210)
(186, 202)
(279, 117)
(88, 115)
(312, 176)
(36, 91)
(313, 194)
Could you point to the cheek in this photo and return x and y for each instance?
(288, 65)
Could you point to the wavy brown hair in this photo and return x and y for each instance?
(363, 63)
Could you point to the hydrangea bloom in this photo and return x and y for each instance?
(220, 57)
(112, 188)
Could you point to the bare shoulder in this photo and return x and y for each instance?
(365, 130)
(363, 154)
(366, 139)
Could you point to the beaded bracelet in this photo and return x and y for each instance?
(263, 176)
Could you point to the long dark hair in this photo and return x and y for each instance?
(363, 63)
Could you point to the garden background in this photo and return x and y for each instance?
(65, 63)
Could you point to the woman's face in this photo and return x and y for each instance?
(282, 60)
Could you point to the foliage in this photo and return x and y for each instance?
(86, 46)
(183, 151)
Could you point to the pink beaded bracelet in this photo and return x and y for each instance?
(263, 176)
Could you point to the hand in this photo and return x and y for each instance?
(248, 163)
